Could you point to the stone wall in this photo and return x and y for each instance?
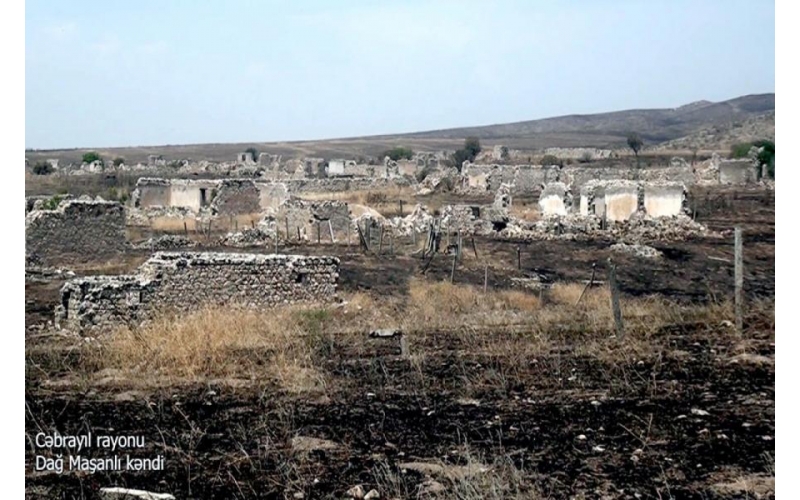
(305, 218)
(237, 196)
(620, 200)
(182, 281)
(737, 172)
(555, 199)
(76, 230)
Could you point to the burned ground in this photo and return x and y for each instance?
(684, 409)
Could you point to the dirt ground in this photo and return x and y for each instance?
(695, 418)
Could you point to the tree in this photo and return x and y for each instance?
(42, 168)
(118, 161)
(399, 152)
(91, 157)
(635, 143)
(766, 156)
(472, 146)
(253, 151)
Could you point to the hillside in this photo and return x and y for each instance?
(656, 126)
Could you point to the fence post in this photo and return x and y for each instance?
(453, 269)
(614, 292)
(519, 259)
(738, 277)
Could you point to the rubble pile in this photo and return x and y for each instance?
(249, 237)
(166, 242)
(637, 250)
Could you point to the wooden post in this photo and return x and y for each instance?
(485, 277)
(738, 277)
(588, 285)
(401, 208)
(615, 308)
(318, 235)
(380, 241)
(330, 228)
(453, 269)
(236, 225)
(519, 259)
(286, 219)
(253, 225)
(298, 233)
(474, 249)
(404, 351)
(391, 243)
(185, 229)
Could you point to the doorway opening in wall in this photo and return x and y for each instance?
(203, 198)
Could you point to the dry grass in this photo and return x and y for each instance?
(169, 224)
(384, 200)
(525, 211)
(219, 343)
(290, 345)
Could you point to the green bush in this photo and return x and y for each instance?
(52, 203)
(253, 151)
(398, 153)
(43, 168)
(118, 161)
(91, 156)
(472, 146)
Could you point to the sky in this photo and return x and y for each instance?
(107, 73)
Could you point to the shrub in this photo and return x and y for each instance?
(91, 156)
(42, 168)
(52, 203)
(398, 153)
(548, 160)
(740, 149)
(118, 161)
(472, 146)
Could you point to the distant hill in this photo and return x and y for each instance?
(605, 130)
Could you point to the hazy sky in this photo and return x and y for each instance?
(112, 73)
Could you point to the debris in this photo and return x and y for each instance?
(129, 494)
(637, 250)
(306, 444)
(356, 492)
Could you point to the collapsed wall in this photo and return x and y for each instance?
(621, 200)
(180, 281)
(76, 230)
(312, 220)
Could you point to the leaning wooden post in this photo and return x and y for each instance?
(330, 228)
(485, 277)
(614, 292)
(401, 208)
(519, 258)
(738, 276)
(453, 269)
(404, 351)
(474, 249)
(286, 219)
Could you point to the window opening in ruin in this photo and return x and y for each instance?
(203, 199)
(300, 278)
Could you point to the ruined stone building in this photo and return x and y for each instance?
(181, 281)
(75, 231)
